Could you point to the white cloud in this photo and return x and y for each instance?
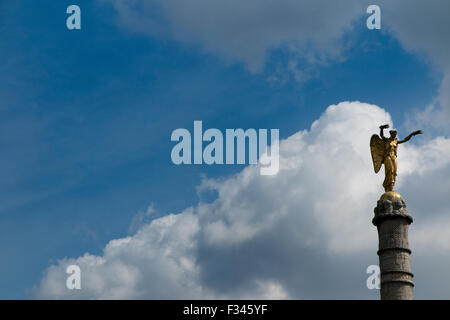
(433, 235)
(311, 32)
(245, 31)
(424, 28)
(303, 233)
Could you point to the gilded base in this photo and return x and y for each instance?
(391, 196)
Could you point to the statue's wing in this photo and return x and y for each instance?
(377, 151)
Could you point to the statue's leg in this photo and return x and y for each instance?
(394, 171)
(389, 179)
(386, 174)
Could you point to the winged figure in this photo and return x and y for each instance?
(384, 151)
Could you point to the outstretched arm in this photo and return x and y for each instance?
(410, 135)
(382, 131)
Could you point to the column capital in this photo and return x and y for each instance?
(387, 209)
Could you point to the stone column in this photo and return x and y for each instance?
(392, 221)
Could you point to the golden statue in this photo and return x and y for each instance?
(384, 150)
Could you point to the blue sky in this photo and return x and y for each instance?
(86, 118)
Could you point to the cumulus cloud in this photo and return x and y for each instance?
(246, 30)
(309, 31)
(303, 233)
(424, 28)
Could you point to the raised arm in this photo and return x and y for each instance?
(410, 135)
(382, 131)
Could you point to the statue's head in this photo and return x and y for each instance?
(393, 134)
